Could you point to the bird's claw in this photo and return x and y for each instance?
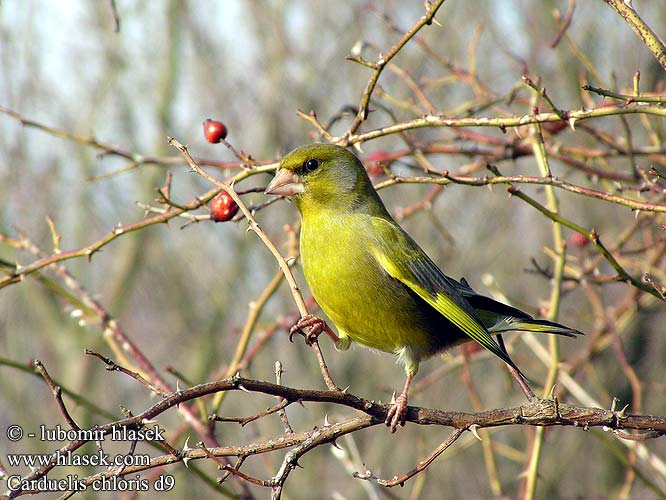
(310, 326)
(397, 414)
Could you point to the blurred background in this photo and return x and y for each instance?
(181, 291)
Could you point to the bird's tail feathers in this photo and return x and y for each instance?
(509, 323)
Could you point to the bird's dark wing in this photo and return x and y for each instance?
(399, 255)
(499, 317)
(484, 303)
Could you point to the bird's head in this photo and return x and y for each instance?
(323, 176)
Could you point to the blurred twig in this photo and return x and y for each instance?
(379, 65)
(642, 30)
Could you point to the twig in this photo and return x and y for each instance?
(501, 123)
(135, 159)
(243, 421)
(283, 414)
(527, 179)
(254, 226)
(57, 393)
(312, 118)
(642, 30)
(249, 479)
(379, 65)
(239, 462)
(541, 91)
(564, 23)
(622, 274)
(520, 380)
(112, 366)
(215, 459)
(420, 467)
(254, 310)
(118, 339)
(625, 97)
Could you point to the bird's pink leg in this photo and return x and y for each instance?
(397, 414)
(315, 326)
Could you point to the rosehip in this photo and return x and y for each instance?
(378, 156)
(375, 161)
(214, 130)
(554, 128)
(578, 240)
(222, 207)
(375, 170)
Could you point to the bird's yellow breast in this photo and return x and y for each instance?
(361, 299)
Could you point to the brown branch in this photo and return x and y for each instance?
(20, 272)
(57, 393)
(118, 338)
(593, 236)
(526, 179)
(379, 65)
(135, 159)
(502, 123)
(113, 366)
(420, 467)
(312, 118)
(537, 413)
(427, 121)
(243, 421)
(625, 97)
(642, 30)
(564, 23)
(254, 226)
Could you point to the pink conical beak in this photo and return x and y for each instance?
(285, 183)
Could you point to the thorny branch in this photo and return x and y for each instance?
(537, 413)
(379, 65)
(632, 188)
(282, 263)
(642, 30)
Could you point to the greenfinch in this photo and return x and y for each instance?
(374, 281)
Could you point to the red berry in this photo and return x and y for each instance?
(222, 207)
(377, 156)
(579, 240)
(554, 128)
(375, 170)
(375, 161)
(214, 130)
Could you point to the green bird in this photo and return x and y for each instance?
(374, 281)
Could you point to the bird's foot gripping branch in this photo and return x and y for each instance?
(311, 327)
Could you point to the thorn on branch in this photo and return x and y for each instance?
(660, 289)
(113, 366)
(243, 421)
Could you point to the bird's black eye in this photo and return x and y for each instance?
(311, 165)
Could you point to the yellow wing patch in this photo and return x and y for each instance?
(446, 306)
